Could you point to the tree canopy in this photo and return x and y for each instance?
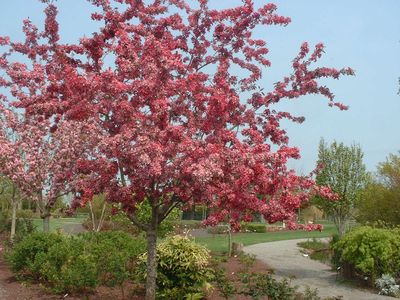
(175, 88)
(343, 170)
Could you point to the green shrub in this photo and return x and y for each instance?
(218, 229)
(370, 251)
(143, 214)
(253, 227)
(27, 255)
(116, 253)
(260, 285)
(69, 267)
(182, 268)
(24, 223)
(225, 286)
(77, 264)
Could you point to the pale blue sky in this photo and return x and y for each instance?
(364, 35)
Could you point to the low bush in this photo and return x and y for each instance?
(69, 267)
(261, 285)
(253, 227)
(24, 223)
(218, 229)
(370, 252)
(182, 268)
(387, 286)
(27, 255)
(116, 253)
(77, 264)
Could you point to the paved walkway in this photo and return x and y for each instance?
(287, 261)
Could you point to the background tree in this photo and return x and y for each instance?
(184, 119)
(9, 193)
(40, 163)
(380, 201)
(343, 170)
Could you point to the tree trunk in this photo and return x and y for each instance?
(229, 241)
(151, 264)
(46, 223)
(46, 219)
(193, 212)
(342, 228)
(14, 215)
(340, 225)
(102, 216)
(13, 220)
(92, 216)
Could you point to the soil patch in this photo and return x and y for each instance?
(232, 267)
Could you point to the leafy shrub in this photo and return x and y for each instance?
(143, 213)
(27, 255)
(247, 260)
(259, 285)
(253, 227)
(370, 251)
(77, 263)
(225, 287)
(4, 221)
(387, 286)
(24, 223)
(310, 294)
(69, 267)
(182, 268)
(116, 253)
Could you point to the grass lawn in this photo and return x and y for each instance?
(219, 242)
(58, 223)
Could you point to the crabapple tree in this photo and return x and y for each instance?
(175, 87)
(40, 163)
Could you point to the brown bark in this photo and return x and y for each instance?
(13, 221)
(151, 234)
(151, 264)
(14, 215)
(92, 216)
(102, 216)
(46, 222)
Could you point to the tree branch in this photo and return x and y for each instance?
(144, 227)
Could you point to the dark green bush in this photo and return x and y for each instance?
(116, 253)
(27, 255)
(370, 251)
(260, 285)
(182, 270)
(253, 227)
(70, 267)
(218, 229)
(4, 221)
(24, 223)
(75, 264)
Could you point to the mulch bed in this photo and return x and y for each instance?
(232, 267)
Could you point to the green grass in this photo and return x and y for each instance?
(56, 224)
(219, 242)
(313, 244)
(320, 250)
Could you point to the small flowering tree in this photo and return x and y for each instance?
(183, 118)
(38, 162)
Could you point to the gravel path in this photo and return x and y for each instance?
(287, 261)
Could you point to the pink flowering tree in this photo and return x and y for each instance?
(41, 163)
(183, 118)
